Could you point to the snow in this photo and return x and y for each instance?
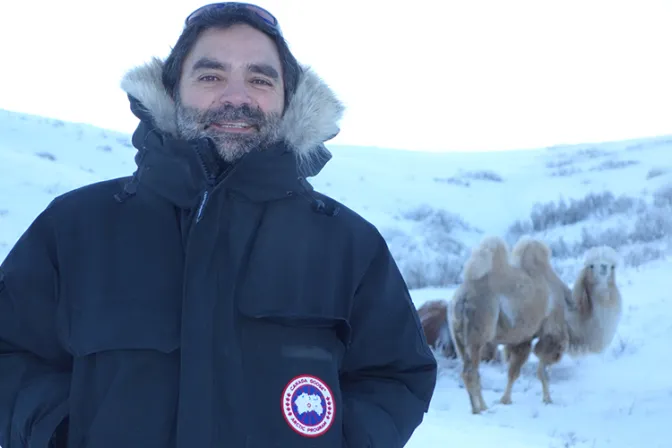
(620, 398)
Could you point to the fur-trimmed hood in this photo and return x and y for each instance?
(310, 119)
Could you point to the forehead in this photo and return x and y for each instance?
(235, 45)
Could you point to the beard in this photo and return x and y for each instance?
(193, 123)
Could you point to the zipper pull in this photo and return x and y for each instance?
(201, 207)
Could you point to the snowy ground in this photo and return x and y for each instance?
(432, 208)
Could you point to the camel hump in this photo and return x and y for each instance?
(492, 253)
(531, 255)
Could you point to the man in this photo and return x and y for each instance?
(213, 299)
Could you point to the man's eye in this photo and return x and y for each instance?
(261, 81)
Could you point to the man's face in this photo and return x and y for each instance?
(231, 90)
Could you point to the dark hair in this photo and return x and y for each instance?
(172, 68)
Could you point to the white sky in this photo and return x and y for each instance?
(428, 74)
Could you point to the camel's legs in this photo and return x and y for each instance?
(542, 374)
(549, 351)
(481, 400)
(472, 378)
(518, 355)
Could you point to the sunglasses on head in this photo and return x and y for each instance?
(260, 12)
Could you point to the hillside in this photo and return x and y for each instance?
(432, 208)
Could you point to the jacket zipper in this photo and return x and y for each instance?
(201, 206)
(210, 179)
(211, 182)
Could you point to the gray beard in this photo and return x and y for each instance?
(193, 123)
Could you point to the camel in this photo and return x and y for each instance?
(434, 319)
(595, 305)
(510, 302)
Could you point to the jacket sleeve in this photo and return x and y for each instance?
(34, 369)
(389, 373)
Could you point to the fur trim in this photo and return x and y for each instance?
(310, 119)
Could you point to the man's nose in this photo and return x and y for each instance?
(235, 93)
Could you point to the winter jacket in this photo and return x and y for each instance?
(200, 304)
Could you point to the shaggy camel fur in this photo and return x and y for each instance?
(434, 319)
(594, 310)
(511, 303)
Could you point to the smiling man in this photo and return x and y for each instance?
(231, 90)
(212, 299)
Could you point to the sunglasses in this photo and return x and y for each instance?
(258, 11)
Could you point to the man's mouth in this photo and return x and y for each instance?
(234, 126)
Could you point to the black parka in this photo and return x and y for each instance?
(198, 304)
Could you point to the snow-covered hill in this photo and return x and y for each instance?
(432, 208)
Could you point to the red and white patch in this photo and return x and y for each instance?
(308, 406)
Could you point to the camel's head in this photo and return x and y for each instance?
(531, 255)
(600, 264)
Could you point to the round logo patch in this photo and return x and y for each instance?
(308, 406)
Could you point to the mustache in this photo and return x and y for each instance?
(228, 112)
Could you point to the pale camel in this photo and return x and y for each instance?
(595, 307)
(511, 303)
